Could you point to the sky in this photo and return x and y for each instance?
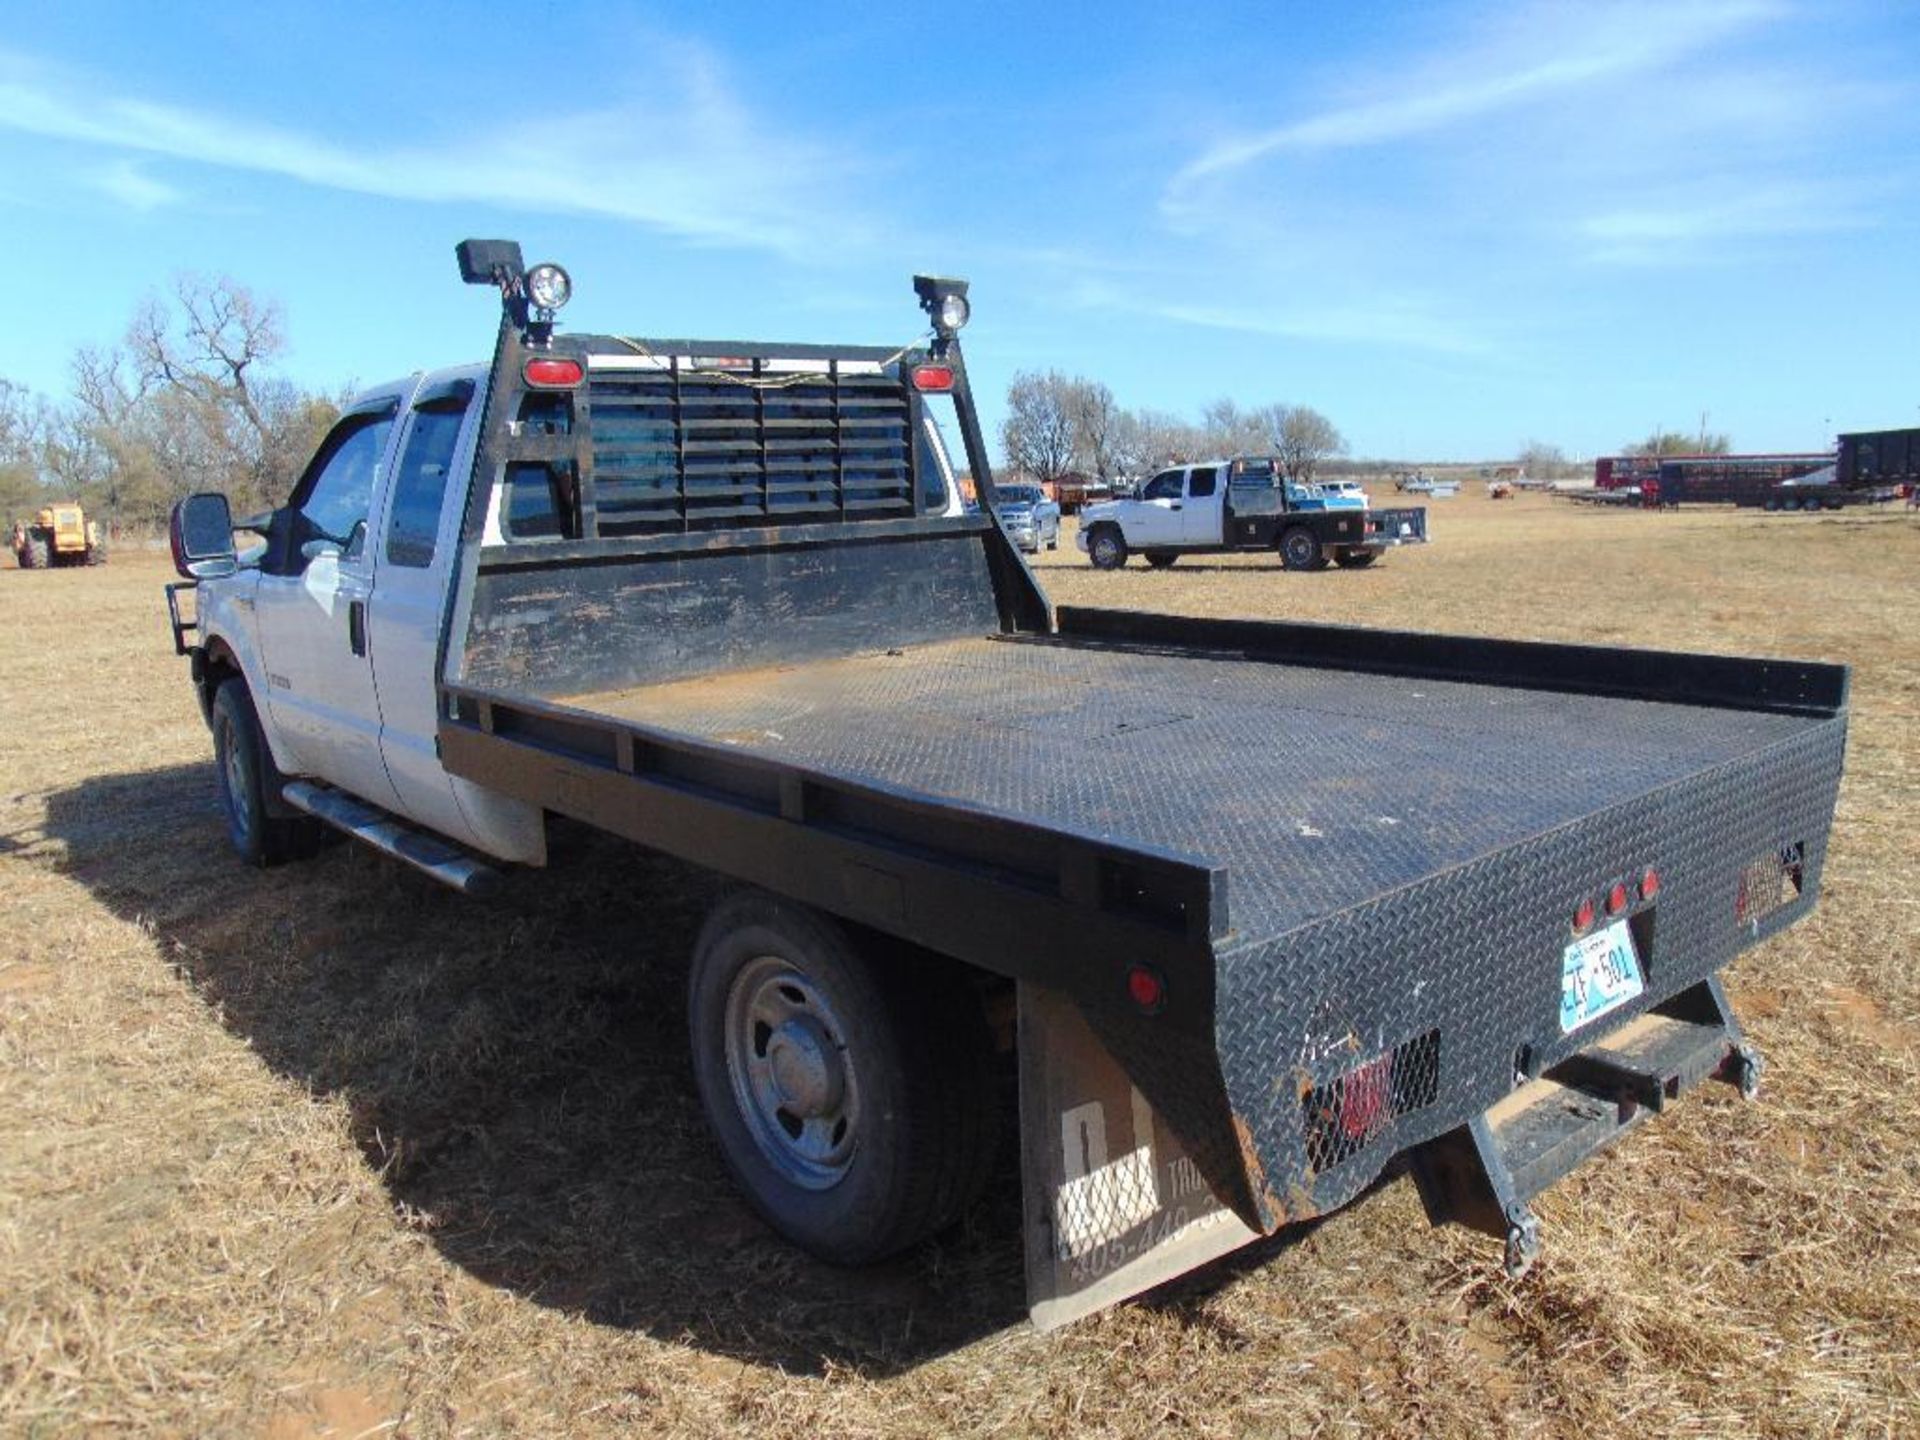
(1453, 228)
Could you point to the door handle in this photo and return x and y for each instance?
(1174, 506)
(357, 626)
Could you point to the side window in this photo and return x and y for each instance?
(1201, 482)
(1164, 486)
(420, 484)
(335, 496)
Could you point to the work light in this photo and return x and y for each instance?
(548, 286)
(945, 300)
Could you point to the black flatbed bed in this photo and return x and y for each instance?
(1316, 789)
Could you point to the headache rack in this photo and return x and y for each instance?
(680, 442)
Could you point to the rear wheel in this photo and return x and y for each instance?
(1160, 559)
(1300, 549)
(36, 554)
(97, 553)
(1355, 559)
(851, 1091)
(1107, 547)
(247, 778)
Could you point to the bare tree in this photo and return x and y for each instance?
(1545, 462)
(1093, 414)
(1038, 433)
(1305, 439)
(23, 422)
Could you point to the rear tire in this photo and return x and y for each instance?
(1355, 559)
(1300, 549)
(36, 554)
(1107, 547)
(247, 776)
(851, 1090)
(1160, 559)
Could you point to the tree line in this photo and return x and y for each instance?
(187, 400)
(1058, 426)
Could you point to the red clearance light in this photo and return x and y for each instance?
(1616, 899)
(933, 379)
(1583, 917)
(1650, 884)
(1146, 988)
(553, 374)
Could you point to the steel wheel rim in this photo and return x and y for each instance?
(233, 779)
(1298, 548)
(1105, 548)
(792, 1077)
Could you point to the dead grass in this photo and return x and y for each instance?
(328, 1151)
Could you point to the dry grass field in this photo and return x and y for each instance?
(329, 1151)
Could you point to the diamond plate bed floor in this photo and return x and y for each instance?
(1317, 788)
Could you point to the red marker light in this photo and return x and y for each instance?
(1583, 917)
(1616, 899)
(1146, 988)
(1650, 884)
(933, 379)
(548, 374)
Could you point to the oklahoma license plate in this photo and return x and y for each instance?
(1598, 973)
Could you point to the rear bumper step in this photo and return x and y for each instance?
(428, 854)
(1483, 1174)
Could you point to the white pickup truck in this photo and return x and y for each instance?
(1241, 504)
(721, 599)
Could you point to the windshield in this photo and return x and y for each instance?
(1020, 494)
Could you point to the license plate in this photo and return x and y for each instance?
(1598, 973)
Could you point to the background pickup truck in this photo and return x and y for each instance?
(723, 600)
(1241, 504)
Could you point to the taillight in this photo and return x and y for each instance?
(1146, 989)
(1366, 1098)
(1616, 899)
(1583, 917)
(546, 373)
(1650, 884)
(933, 379)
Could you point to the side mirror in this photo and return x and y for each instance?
(201, 535)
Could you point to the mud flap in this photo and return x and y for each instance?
(1113, 1205)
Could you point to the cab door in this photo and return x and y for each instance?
(311, 609)
(1156, 521)
(1200, 521)
(418, 535)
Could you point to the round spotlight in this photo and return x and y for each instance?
(954, 311)
(548, 286)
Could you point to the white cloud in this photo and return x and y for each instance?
(132, 186)
(692, 160)
(1692, 226)
(1544, 53)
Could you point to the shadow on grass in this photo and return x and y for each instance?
(517, 1072)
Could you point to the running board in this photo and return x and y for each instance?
(1483, 1174)
(428, 854)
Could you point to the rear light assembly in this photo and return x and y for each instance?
(1616, 899)
(549, 373)
(933, 379)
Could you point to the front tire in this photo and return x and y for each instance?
(1300, 549)
(1107, 547)
(247, 777)
(851, 1092)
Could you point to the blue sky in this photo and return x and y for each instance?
(1452, 227)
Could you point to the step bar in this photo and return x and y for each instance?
(1483, 1174)
(429, 854)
